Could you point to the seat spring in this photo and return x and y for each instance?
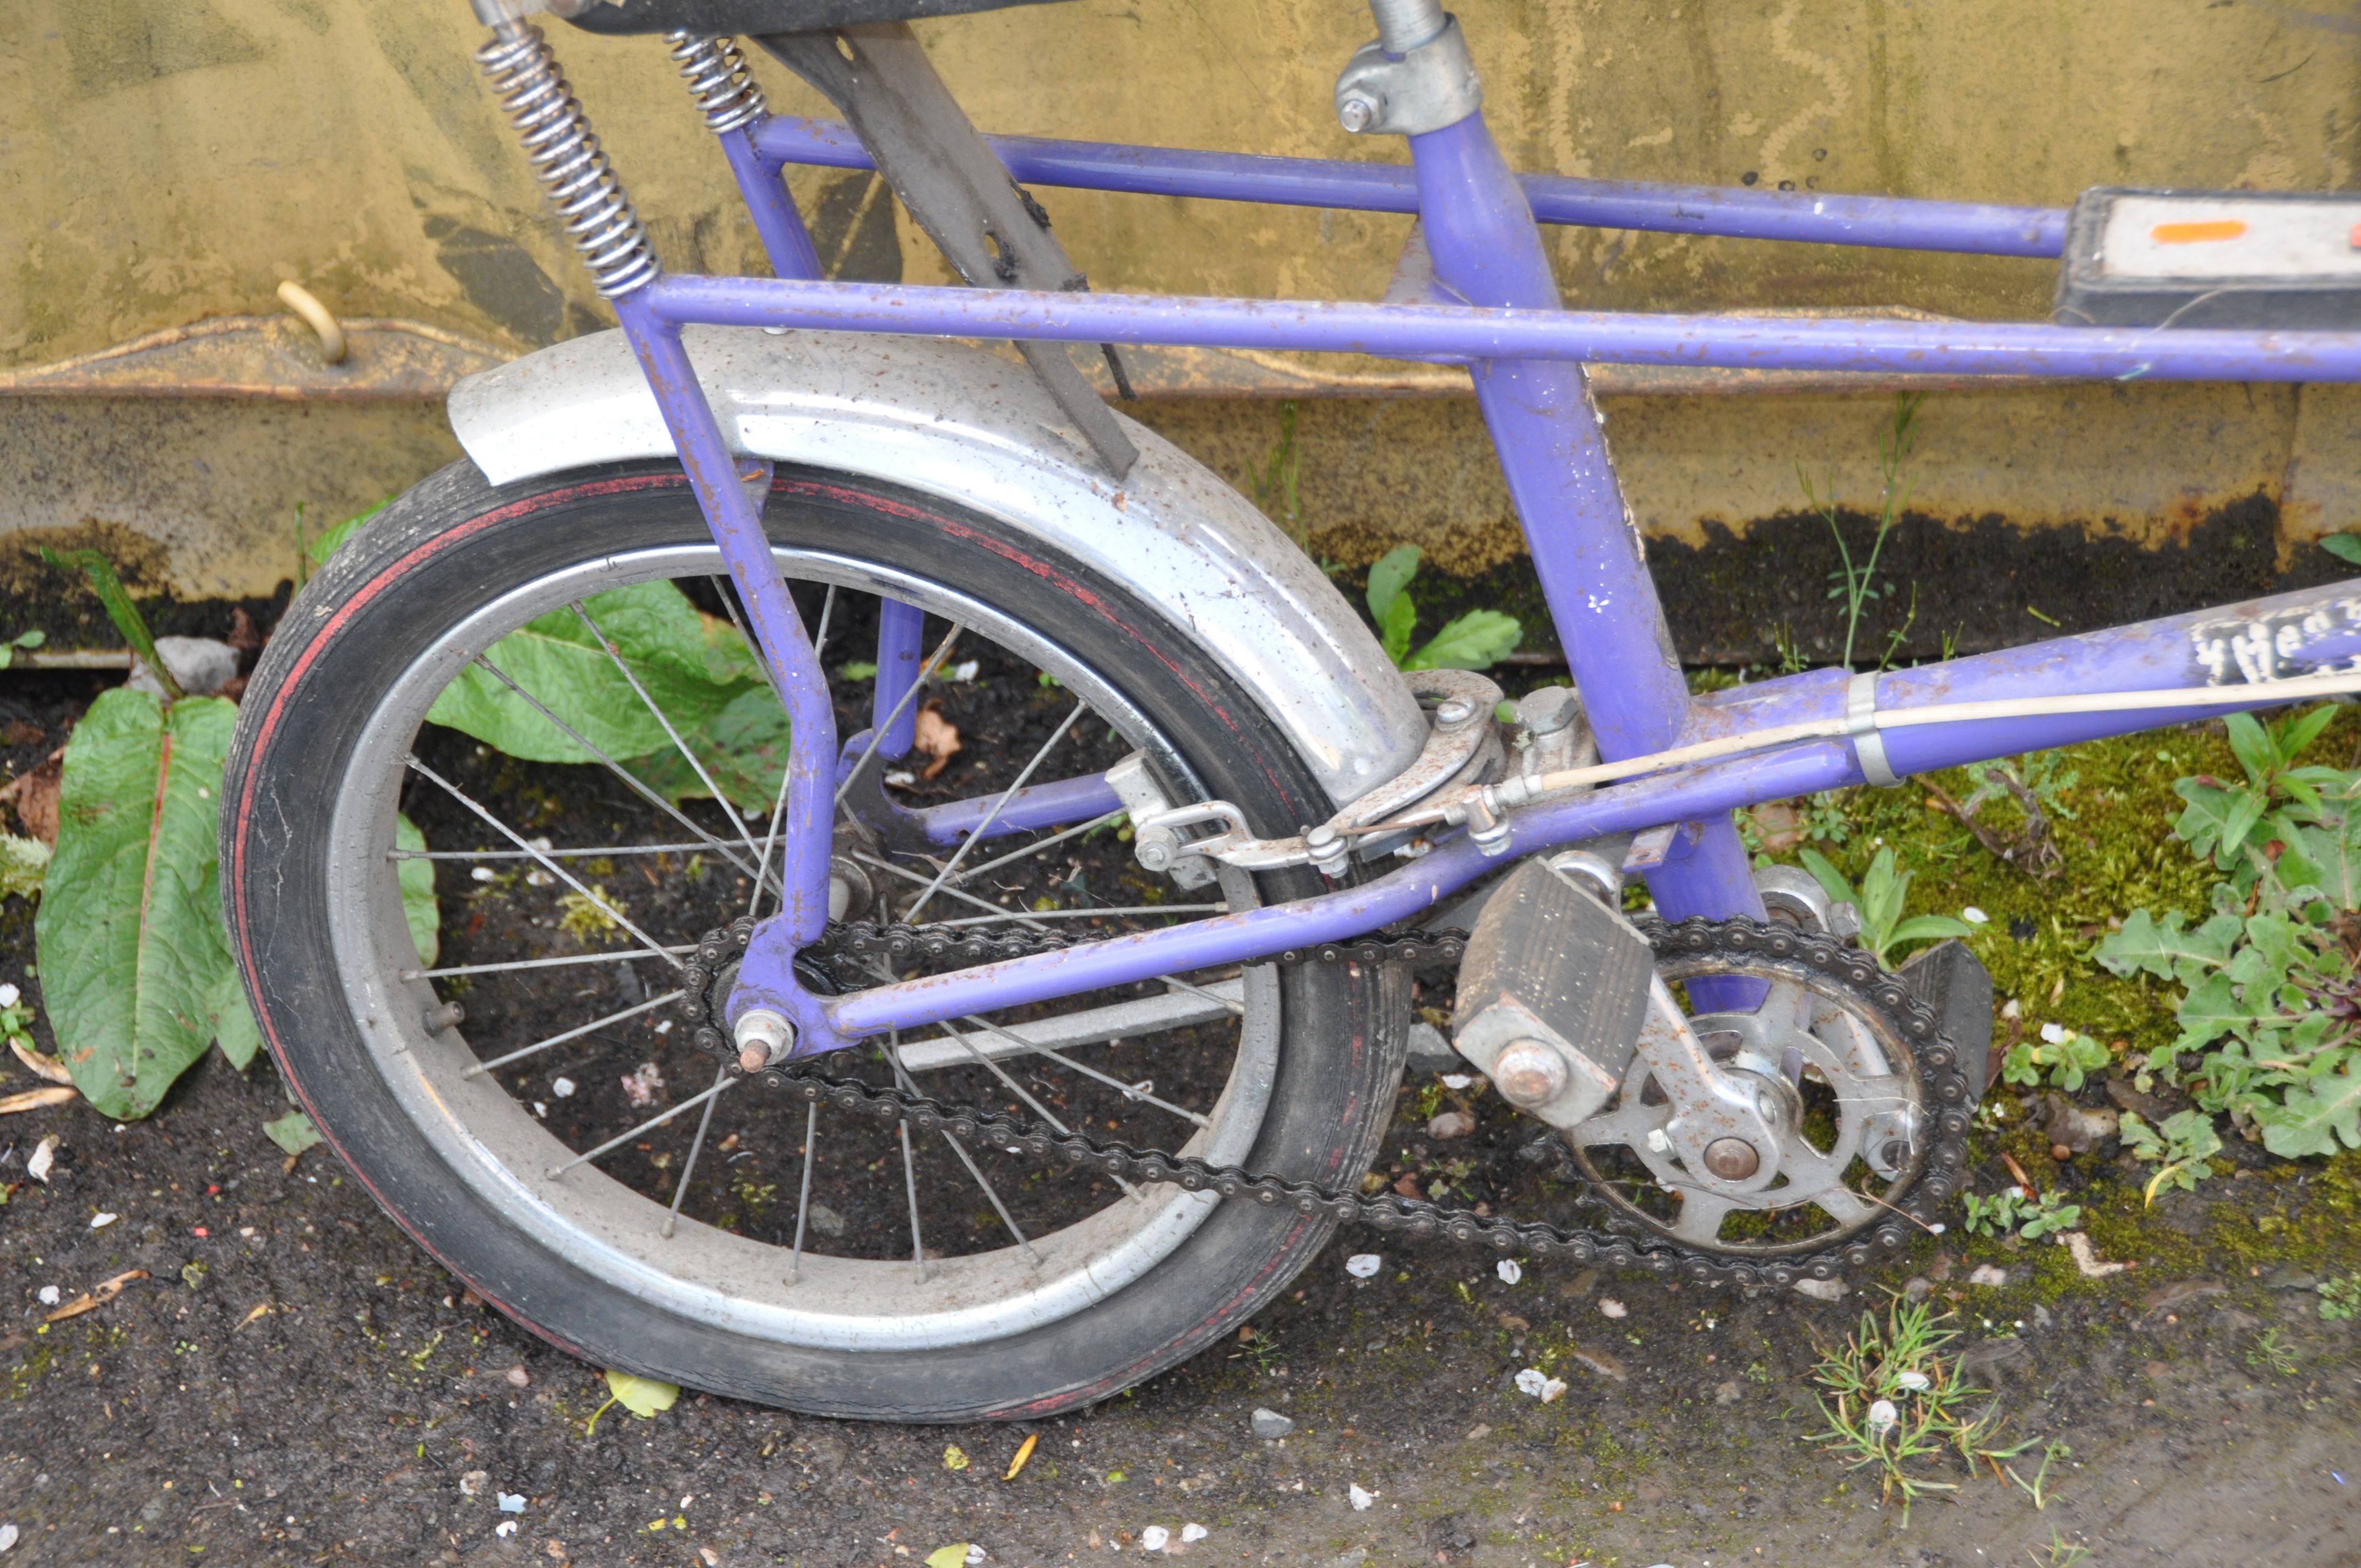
(566, 159)
(718, 80)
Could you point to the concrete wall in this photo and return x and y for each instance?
(164, 161)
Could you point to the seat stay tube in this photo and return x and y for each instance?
(735, 518)
(1486, 249)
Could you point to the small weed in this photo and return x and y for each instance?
(2270, 1354)
(2038, 783)
(1275, 487)
(2179, 1145)
(2340, 1299)
(2059, 1553)
(2012, 1210)
(1476, 641)
(1856, 585)
(1899, 1403)
(1880, 899)
(2064, 1057)
(2051, 1452)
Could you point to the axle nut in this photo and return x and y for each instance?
(1733, 1159)
(762, 1037)
(1529, 1073)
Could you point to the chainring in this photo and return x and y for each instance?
(1737, 946)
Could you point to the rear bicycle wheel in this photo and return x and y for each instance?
(567, 1150)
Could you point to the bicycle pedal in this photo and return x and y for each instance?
(2212, 259)
(1952, 980)
(1552, 995)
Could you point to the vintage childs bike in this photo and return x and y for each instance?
(933, 885)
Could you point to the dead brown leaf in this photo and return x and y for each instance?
(33, 796)
(938, 737)
(100, 1295)
(35, 1098)
(259, 1311)
(23, 732)
(48, 1067)
(1602, 1361)
(242, 634)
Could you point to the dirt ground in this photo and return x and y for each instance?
(286, 1379)
(293, 1382)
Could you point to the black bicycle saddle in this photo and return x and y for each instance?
(714, 18)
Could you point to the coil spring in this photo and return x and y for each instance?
(567, 160)
(718, 83)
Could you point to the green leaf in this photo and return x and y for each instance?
(2319, 1112)
(294, 1131)
(1929, 929)
(1388, 577)
(690, 671)
(1831, 880)
(744, 749)
(2210, 1011)
(2252, 747)
(1476, 641)
(235, 1029)
(952, 1556)
(1395, 627)
(2295, 734)
(857, 670)
(23, 864)
(328, 543)
(643, 1397)
(129, 931)
(416, 880)
(95, 566)
(2343, 546)
(2159, 946)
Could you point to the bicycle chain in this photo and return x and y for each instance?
(1943, 1084)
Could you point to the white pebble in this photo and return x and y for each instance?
(1882, 1417)
(1509, 1270)
(1973, 916)
(1192, 1533)
(1153, 1537)
(1455, 1080)
(2053, 1033)
(1986, 1273)
(563, 1087)
(1362, 1265)
(49, 1294)
(505, 1528)
(38, 1168)
(966, 670)
(1361, 1499)
(101, 1219)
(540, 1108)
(663, 1025)
(1531, 1379)
(485, 873)
(1610, 1305)
(9, 995)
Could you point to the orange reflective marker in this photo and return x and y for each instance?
(2353, 239)
(2206, 233)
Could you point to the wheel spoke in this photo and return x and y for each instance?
(689, 1166)
(654, 947)
(528, 854)
(1130, 1090)
(992, 816)
(910, 1180)
(538, 963)
(1021, 917)
(877, 733)
(1236, 1005)
(803, 1194)
(631, 780)
(482, 1068)
(663, 722)
(620, 1139)
(1069, 1031)
(903, 1078)
(1036, 847)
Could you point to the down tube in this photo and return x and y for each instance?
(1554, 454)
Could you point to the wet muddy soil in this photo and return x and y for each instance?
(286, 1379)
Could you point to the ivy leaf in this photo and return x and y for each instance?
(416, 880)
(2343, 546)
(2319, 1112)
(1476, 641)
(129, 931)
(1387, 578)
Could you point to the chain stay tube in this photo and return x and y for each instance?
(1736, 946)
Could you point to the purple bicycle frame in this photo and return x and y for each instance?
(1525, 355)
